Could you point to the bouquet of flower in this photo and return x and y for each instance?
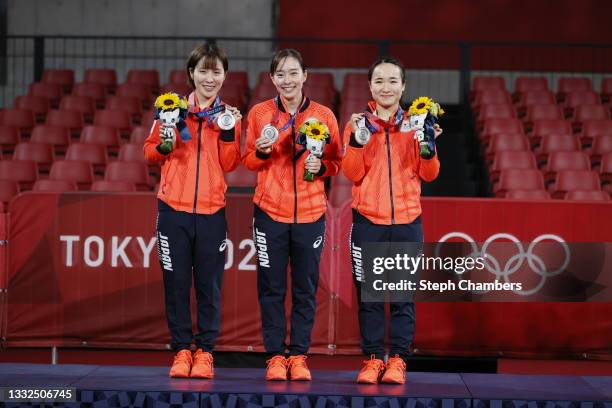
(424, 114)
(314, 134)
(171, 112)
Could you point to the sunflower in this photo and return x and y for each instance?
(183, 104)
(420, 106)
(314, 129)
(168, 101)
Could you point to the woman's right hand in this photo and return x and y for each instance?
(264, 145)
(355, 118)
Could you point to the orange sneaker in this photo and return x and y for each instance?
(395, 372)
(202, 365)
(181, 366)
(277, 369)
(371, 371)
(298, 370)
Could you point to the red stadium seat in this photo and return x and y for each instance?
(589, 112)
(239, 78)
(554, 142)
(73, 120)
(131, 105)
(39, 105)
(105, 77)
(587, 195)
(134, 172)
(95, 91)
(490, 96)
(9, 137)
(137, 90)
(506, 142)
(131, 153)
(95, 154)
(570, 180)
(494, 126)
(559, 161)
(605, 168)
(538, 112)
(178, 76)
(22, 119)
(543, 127)
(117, 119)
(181, 89)
(148, 77)
(486, 83)
(113, 186)
(53, 92)
(40, 153)
(602, 145)
(594, 128)
(580, 98)
(79, 172)
(8, 190)
(528, 194)
(56, 186)
(519, 179)
(147, 118)
(606, 90)
(495, 111)
(536, 97)
(526, 84)
(62, 77)
(506, 159)
(56, 136)
(233, 96)
(103, 135)
(139, 134)
(25, 172)
(568, 85)
(241, 177)
(84, 104)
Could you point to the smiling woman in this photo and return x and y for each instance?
(386, 168)
(289, 229)
(191, 226)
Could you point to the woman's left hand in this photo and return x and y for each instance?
(234, 111)
(437, 130)
(313, 164)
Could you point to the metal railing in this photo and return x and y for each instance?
(444, 69)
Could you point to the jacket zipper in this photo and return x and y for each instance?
(390, 177)
(195, 196)
(294, 178)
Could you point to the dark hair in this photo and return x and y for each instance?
(286, 53)
(211, 53)
(387, 60)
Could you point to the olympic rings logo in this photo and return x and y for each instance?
(515, 262)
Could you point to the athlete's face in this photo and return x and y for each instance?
(208, 78)
(386, 85)
(289, 78)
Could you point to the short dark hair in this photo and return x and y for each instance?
(211, 53)
(285, 53)
(387, 60)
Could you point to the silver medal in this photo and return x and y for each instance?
(270, 132)
(363, 134)
(226, 121)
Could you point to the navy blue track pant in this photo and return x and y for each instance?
(278, 243)
(191, 248)
(372, 314)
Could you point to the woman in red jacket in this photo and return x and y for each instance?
(289, 215)
(191, 226)
(386, 172)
